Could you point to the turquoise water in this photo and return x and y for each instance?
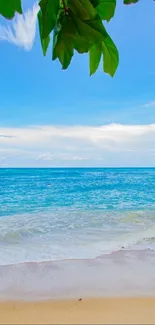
(55, 214)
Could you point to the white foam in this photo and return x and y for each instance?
(68, 235)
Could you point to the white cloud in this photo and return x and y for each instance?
(23, 29)
(48, 156)
(109, 145)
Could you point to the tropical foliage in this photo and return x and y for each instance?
(76, 25)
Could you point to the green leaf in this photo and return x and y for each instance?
(44, 41)
(128, 2)
(49, 9)
(92, 30)
(83, 9)
(111, 56)
(63, 43)
(106, 9)
(95, 3)
(95, 57)
(82, 45)
(8, 8)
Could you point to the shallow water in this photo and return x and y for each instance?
(54, 214)
(123, 273)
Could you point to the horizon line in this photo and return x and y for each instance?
(75, 167)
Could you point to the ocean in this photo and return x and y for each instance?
(55, 219)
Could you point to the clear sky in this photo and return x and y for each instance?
(51, 117)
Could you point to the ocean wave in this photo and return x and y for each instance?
(68, 234)
(25, 230)
(21, 246)
(16, 236)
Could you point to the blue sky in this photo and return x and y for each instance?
(35, 92)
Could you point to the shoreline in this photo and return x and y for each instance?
(129, 310)
(120, 274)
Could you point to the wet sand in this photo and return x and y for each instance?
(119, 274)
(49, 292)
(85, 311)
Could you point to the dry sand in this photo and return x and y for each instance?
(86, 311)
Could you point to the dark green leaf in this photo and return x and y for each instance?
(92, 30)
(63, 44)
(95, 57)
(95, 3)
(82, 45)
(83, 9)
(49, 9)
(106, 9)
(111, 56)
(44, 41)
(128, 2)
(8, 8)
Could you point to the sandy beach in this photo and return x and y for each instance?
(85, 311)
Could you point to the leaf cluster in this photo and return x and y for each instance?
(75, 25)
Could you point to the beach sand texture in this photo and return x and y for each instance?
(85, 311)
